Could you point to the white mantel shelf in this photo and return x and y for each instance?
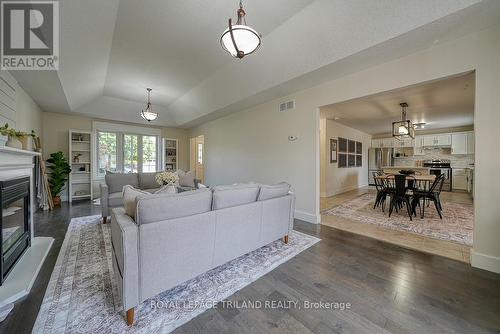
(16, 151)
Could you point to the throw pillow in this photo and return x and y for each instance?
(186, 179)
(273, 191)
(129, 196)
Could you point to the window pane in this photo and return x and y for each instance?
(106, 158)
(200, 153)
(130, 153)
(149, 153)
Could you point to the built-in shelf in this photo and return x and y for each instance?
(80, 196)
(80, 157)
(80, 182)
(170, 154)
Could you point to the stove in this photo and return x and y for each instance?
(438, 167)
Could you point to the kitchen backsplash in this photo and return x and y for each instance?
(457, 161)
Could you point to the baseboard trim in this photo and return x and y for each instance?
(486, 262)
(306, 216)
(345, 189)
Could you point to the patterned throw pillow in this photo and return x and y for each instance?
(186, 179)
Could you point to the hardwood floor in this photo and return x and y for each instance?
(413, 241)
(391, 289)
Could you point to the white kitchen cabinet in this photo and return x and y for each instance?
(387, 142)
(383, 142)
(462, 143)
(459, 143)
(376, 143)
(418, 147)
(406, 142)
(459, 179)
(437, 140)
(470, 143)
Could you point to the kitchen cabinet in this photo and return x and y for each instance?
(382, 142)
(459, 143)
(470, 143)
(462, 143)
(406, 142)
(437, 140)
(459, 179)
(418, 148)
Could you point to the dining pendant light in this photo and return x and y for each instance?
(148, 114)
(404, 128)
(239, 39)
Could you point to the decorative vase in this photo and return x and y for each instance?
(170, 188)
(24, 143)
(14, 143)
(3, 140)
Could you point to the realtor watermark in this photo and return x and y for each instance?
(30, 35)
(252, 304)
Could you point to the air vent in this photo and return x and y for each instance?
(285, 106)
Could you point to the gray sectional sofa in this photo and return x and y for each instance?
(111, 190)
(176, 237)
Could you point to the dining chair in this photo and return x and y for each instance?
(381, 191)
(432, 194)
(400, 196)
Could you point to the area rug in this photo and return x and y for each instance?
(81, 295)
(456, 225)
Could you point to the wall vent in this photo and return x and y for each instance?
(285, 106)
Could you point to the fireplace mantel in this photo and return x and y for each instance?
(16, 163)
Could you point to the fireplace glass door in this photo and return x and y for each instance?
(14, 223)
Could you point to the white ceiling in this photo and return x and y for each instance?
(112, 50)
(440, 104)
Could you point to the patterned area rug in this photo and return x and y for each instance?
(81, 296)
(456, 225)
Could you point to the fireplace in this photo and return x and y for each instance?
(14, 222)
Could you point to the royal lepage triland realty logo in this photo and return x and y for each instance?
(30, 35)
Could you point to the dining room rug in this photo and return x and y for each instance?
(456, 225)
(81, 296)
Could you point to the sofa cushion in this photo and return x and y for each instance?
(236, 194)
(147, 181)
(186, 179)
(169, 206)
(115, 182)
(130, 194)
(273, 191)
(115, 199)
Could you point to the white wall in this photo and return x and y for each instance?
(338, 180)
(17, 108)
(252, 144)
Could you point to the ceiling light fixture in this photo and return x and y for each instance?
(148, 114)
(404, 128)
(419, 126)
(239, 39)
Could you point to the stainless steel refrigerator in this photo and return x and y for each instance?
(377, 159)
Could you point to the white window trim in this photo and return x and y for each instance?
(121, 130)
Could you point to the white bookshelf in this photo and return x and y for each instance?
(170, 154)
(80, 159)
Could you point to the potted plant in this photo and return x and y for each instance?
(59, 171)
(13, 136)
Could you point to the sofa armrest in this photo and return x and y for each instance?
(104, 199)
(124, 240)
